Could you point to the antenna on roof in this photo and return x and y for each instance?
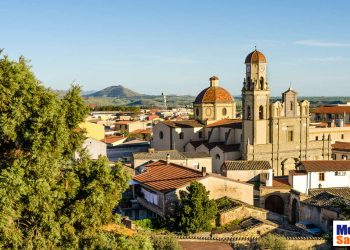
(255, 46)
(290, 85)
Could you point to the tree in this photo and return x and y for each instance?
(273, 242)
(195, 210)
(49, 199)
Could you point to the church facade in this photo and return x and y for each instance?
(276, 132)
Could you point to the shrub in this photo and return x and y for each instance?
(273, 242)
(166, 242)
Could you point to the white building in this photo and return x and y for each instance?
(320, 174)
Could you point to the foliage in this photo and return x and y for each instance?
(166, 242)
(344, 207)
(49, 199)
(137, 242)
(273, 242)
(147, 223)
(117, 108)
(195, 210)
(225, 203)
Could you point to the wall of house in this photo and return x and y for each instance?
(220, 187)
(161, 144)
(321, 217)
(330, 180)
(340, 155)
(93, 130)
(249, 175)
(337, 133)
(298, 182)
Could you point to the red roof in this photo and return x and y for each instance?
(123, 122)
(163, 177)
(280, 183)
(297, 172)
(235, 123)
(112, 139)
(331, 110)
(339, 145)
(151, 117)
(142, 131)
(324, 166)
(255, 57)
(214, 94)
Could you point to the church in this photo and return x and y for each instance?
(277, 132)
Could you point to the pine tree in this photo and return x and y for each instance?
(195, 211)
(49, 199)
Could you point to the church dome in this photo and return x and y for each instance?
(214, 93)
(255, 57)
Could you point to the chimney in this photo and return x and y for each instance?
(151, 150)
(204, 171)
(167, 159)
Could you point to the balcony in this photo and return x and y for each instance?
(154, 208)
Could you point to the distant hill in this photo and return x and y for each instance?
(115, 91)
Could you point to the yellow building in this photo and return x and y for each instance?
(93, 130)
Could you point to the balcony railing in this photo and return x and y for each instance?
(154, 208)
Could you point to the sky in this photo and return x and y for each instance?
(157, 46)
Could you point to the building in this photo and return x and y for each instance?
(259, 172)
(94, 148)
(320, 174)
(157, 187)
(336, 115)
(341, 150)
(129, 126)
(191, 160)
(93, 130)
(214, 103)
(277, 132)
(114, 140)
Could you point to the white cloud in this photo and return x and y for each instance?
(318, 43)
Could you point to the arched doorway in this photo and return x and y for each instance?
(295, 211)
(274, 203)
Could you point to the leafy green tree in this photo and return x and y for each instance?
(273, 242)
(49, 199)
(195, 210)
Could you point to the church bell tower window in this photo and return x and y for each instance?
(261, 112)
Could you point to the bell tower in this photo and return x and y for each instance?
(255, 101)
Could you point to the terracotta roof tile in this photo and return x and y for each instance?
(112, 139)
(279, 182)
(247, 165)
(183, 124)
(338, 145)
(227, 123)
(297, 172)
(324, 166)
(255, 57)
(331, 110)
(214, 94)
(163, 177)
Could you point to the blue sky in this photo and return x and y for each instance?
(175, 46)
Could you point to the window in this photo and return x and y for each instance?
(340, 173)
(344, 157)
(291, 105)
(224, 111)
(261, 112)
(290, 135)
(161, 135)
(248, 83)
(197, 111)
(342, 136)
(200, 134)
(334, 156)
(321, 176)
(217, 156)
(248, 113)
(316, 138)
(181, 135)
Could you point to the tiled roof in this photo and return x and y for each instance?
(247, 165)
(214, 94)
(227, 123)
(174, 154)
(297, 172)
(331, 110)
(195, 154)
(329, 198)
(159, 155)
(338, 145)
(343, 192)
(183, 124)
(280, 182)
(142, 131)
(255, 56)
(123, 122)
(163, 177)
(112, 139)
(323, 166)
